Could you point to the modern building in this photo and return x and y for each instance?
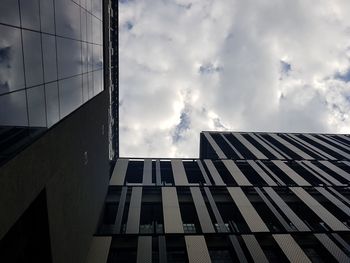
(66, 196)
(250, 197)
(58, 126)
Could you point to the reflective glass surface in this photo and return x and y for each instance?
(50, 59)
(11, 60)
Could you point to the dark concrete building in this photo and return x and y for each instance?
(250, 197)
(58, 126)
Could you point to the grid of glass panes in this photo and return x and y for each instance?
(51, 59)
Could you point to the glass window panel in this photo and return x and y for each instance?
(91, 85)
(69, 57)
(11, 59)
(97, 60)
(13, 109)
(89, 27)
(88, 5)
(96, 30)
(52, 103)
(47, 16)
(32, 58)
(83, 24)
(85, 88)
(36, 107)
(49, 57)
(85, 58)
(97, 81)
(9, 12)
(97, 8)
(70, 94)
(30, 14)
(67, 19)
(90, 57)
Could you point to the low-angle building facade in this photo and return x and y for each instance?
(250, 197)
(67, 196)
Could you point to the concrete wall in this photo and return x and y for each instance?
(71, 162)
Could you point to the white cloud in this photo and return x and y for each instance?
(188, 66)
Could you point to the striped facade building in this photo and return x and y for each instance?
(250, 197)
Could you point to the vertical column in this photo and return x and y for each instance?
(202, 212)
(158, 174)
(267, 147)
(252, 218)
(262, 173)
(171, 211)
(119, 172)
(120, 211)
(197, 250)
(179, 173)
(336, 169)
(133, 224)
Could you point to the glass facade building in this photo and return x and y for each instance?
(249, 197)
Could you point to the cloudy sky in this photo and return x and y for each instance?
(240, 65)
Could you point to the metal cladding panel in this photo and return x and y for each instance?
(249, 146)
(254, 249)
(296, 221)
(336, 252)
(99, 249)
(202, 211)
(238, 249)
(310, 146)
(133, 224)
(273, 210)
(158, 176)
(197, 250)
(119, 172)
(232, 147)
(236, 173)
(147, 172)
(204, 173)
(344, 137)
(336, 169)
(271, 173)
(331, 147)
(162, 249)
(213, 172)
(322, 212)
(252, 218)
(339, 195)
(144, 249)
(262, 173)
(291, 147)
(322, 173)
(120, 211)
(307, 168)
(334, 200)
(215, 146)
(215, 210)
(334, 142)
(291, 248)
(266, 146)
(171, 211)
(179, 172)
(291, 173)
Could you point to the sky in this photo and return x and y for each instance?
(252, 65)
